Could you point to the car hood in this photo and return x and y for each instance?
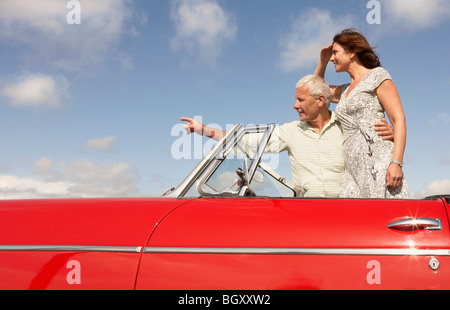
(106, 222)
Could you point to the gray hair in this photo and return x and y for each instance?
(317, 87)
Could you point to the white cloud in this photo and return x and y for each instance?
(36, 91)
(42, 27)
(80, 178)
(202, 27)
(310, 32)
(103, 144)
(437, 187)
(415, 15)
(14, 187)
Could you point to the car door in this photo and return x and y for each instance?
(265, 243)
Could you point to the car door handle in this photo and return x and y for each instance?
(417, 224)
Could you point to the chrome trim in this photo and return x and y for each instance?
(245, 251)
(71, 248)
(417, 223)
(296, 251)
(261, 148)
(186, 184)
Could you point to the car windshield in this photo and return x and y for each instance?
(236, 167)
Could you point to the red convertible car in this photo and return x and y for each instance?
(233, 223)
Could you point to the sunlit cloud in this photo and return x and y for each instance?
(437, 187)
(42, 27)
(16, 187)
(103, 144)
(313, 30)
(415, 15)
(202, 28)
(36, 91)
(79, 178)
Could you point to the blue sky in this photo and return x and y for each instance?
(91, 109)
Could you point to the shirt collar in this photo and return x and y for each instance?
(305, 125)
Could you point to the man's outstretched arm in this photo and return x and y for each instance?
(193, 125)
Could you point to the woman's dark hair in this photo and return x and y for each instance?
(353, 41)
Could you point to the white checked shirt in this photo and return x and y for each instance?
(317, 160)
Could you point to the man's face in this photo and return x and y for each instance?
(306, 105)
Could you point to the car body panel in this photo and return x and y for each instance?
(291, 272)
(44, 243)
(304, 223)
(71, 270)
(236, 243)
(257, 225)
(97, 222)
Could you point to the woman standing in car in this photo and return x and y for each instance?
(373, 165)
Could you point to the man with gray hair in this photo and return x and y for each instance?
(314, 144)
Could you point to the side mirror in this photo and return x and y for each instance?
(241, 174)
